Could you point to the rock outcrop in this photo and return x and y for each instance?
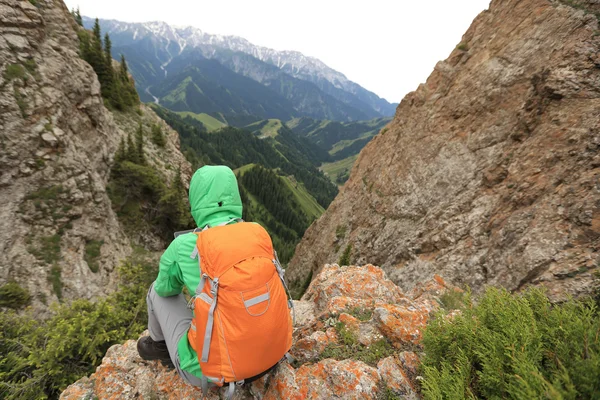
(58, 142)
(356, 337)
(488, 173)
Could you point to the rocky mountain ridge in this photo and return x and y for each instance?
(488, 173)
(60, 236)
(345, 308)
(305, 81)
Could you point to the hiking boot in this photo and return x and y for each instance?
(150, 350)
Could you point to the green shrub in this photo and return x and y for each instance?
(453, 300)
(41, 358)
(143, 201)
(345, 258)
(387, 393)
(14, 71)
(30, 65)
(55, 279)
(462, 46)
(340, 232)
(158, 137)
(46, 193)
(362, 314)
(46, 248)
(21, 102)
(12, 295)
(350, 347)
(92, 252)
(514, 347)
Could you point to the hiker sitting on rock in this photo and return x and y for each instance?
(237, 326)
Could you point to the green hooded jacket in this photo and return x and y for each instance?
(214, 199)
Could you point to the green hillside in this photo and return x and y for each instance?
(339, 171)
(277, 204)
(309, 205)
(210, 122)
(206, 86)
(307, 202)
(240, 171)
(266, 128)
(294, 148)
(340, 139)
(342, 144)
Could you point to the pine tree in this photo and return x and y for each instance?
(124, 71)
(112, 85)
(108, 49)
(118, 90)
(178, 183)
(121, 153)
(157, 136)
(128, 93)
(139, 145)
(131, 153)
(78, 18)
(84, 45)
(96, 57)
(174, 210)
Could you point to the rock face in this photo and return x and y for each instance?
(488, 173)
(351, 341)
(58, 142)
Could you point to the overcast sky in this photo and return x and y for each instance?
(386, 46)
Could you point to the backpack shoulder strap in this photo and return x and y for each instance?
(176, 234)
(281, 273)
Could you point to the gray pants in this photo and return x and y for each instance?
(169, 319)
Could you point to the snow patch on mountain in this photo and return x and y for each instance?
(292, 62)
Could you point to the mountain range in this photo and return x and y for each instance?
(186, 69)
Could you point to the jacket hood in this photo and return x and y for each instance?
(214, 196)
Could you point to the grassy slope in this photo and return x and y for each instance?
(243, 169)
(178, 94)
(317, 131)
(342, 144)
(271, 129)
(211, 123)
(310, 207)
(334, 168)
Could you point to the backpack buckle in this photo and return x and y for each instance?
(192, 303)
(214, 287)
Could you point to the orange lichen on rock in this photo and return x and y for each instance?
(351, 322)
(309, 348)
(330, 378)
(401, 325)
(396, 378)
(354, 282)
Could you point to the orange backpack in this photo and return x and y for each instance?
(242, 325)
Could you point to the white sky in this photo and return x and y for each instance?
(386, 46)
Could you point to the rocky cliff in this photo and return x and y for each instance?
(58, 143)
(488, 173)
(357, 336)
